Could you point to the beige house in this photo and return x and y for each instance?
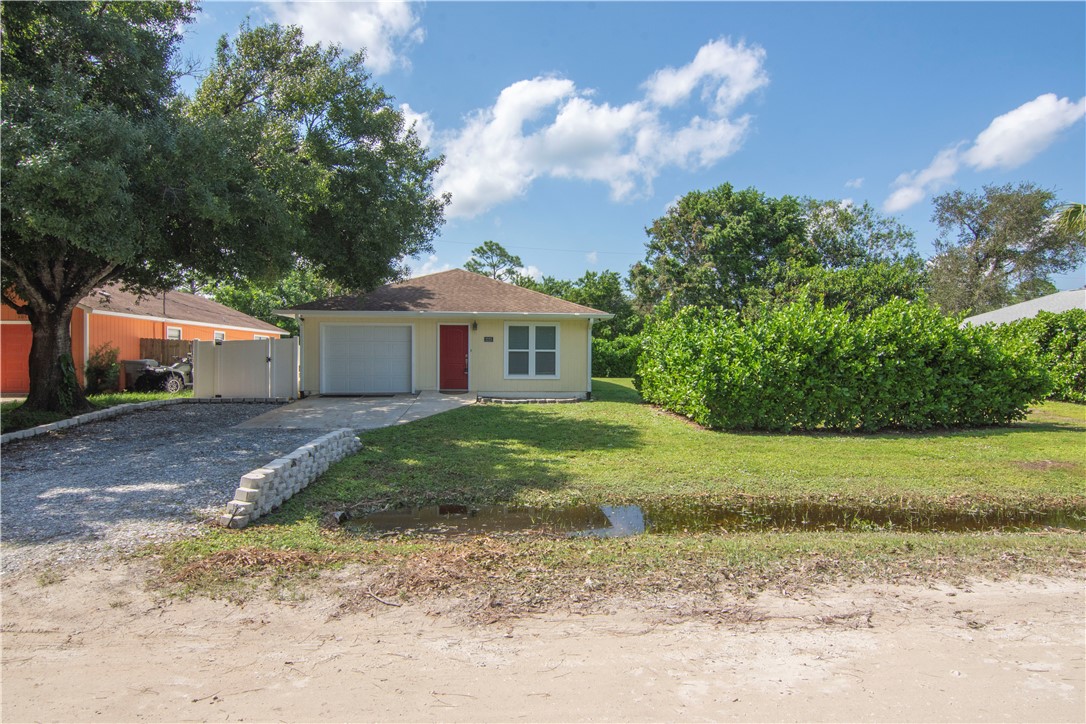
(453, 331)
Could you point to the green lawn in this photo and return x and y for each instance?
(616, 449)
(12, 418)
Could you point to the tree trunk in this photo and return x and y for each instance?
(53, 384)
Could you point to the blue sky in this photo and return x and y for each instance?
(569, 127)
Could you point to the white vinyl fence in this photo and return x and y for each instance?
(259, 368)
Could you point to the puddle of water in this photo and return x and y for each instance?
(607, 521)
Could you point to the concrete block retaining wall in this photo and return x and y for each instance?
(266, 488)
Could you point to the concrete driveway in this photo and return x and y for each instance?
(357, 413)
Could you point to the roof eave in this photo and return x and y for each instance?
(295, 313)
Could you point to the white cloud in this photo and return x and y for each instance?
(432, 265)
(592, 257)
(912, 187)
(854, 183)
(386, 29)
(726, 73)
(424, 127)
(531, 271)
(1016, 137)
(1010, 140)
(491, 159)
(548, 127)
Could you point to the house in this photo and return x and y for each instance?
(1058, 302)
(449, 331)
(121, 318)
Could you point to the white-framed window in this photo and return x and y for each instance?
(261, 336)
(173, 333)
(220, 336)
(531, 350)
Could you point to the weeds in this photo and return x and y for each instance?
(49, 577)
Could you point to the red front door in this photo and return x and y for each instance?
(454, 357)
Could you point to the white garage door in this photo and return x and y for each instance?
(360, 359)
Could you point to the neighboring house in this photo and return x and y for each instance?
(121, 319)
(450, 331)
(1058, 302)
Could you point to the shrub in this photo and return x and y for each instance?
(102, 371)
(615, 357)
(1060, 341)
(806, 367)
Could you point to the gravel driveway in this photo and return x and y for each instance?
(116, 484)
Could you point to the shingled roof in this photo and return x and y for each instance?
(178, 306)
(456, 291)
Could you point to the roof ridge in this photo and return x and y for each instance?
(511, 285)
(452, 290)
(542, 294)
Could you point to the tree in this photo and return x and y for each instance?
(95, 181)
(716, 247)
(493, 260)
(1072, 219)
(998, 246)
(300, 285)
(599, 290)
(604, 291)
(842, 235)
(355, 182)
(108, 174)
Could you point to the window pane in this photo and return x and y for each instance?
(545, 337)
(518, 338)
(518, 363)
(544, 363)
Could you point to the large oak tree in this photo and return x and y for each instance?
(743, 250)
(718, 247)
(999, 246)
(286, 152)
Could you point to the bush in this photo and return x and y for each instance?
(615, 357)
(1060, 341)
(102, 371)
(806, 367)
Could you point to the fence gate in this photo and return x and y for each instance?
(259, 368)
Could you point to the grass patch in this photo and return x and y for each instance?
(616, 450)
(535, 573)
(13, 417)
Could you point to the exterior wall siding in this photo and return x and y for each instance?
(487, 359)
(124, 333)
(15, 339)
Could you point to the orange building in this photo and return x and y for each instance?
(120, 319)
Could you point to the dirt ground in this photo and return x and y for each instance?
(97, 646)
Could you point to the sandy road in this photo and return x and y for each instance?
(97, 647)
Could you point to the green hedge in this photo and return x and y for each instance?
(805, 367)
(615, 357)
(1060, 341)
